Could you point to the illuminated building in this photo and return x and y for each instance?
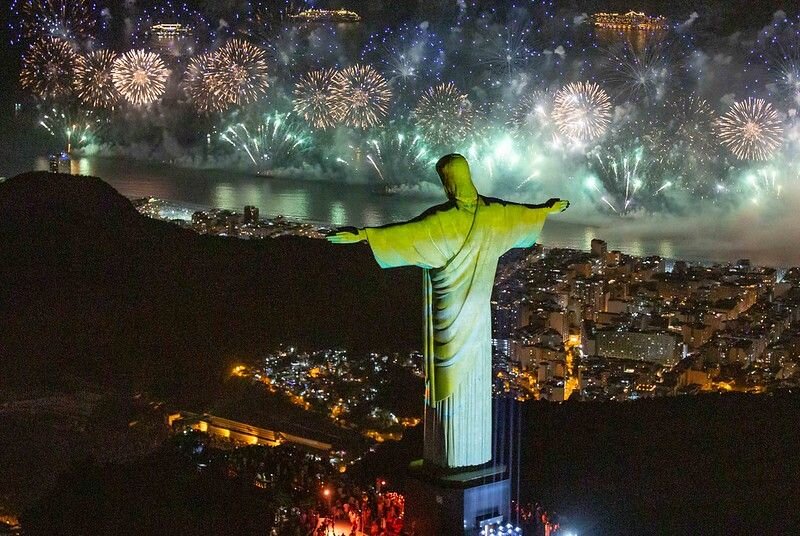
(250, 214)
(655, 346)
(242, 433)
(631, 20)
(169, 31)
(599, 248)
(326, 15)
(174, 39)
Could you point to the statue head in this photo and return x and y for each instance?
(453, 169)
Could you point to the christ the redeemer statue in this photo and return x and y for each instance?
(458, 244)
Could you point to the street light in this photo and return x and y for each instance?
(326, 492)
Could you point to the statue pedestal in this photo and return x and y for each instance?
(456, 503)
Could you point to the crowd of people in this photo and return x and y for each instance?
(363, 511)
(539, 521)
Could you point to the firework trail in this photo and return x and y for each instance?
(48, 68)
(582, 111)
(751, 130)
(362, 96)
(94, 79)
(622, 179)
(314, 100)
(445, 115)
(74, 128)
(692, 118)
(762, 182)
(497, 156)
(684, 146)
(278, 141)
(140, 77)
(399, 156)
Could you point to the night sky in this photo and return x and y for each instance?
(726, 15)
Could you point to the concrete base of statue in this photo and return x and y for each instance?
(456, 503)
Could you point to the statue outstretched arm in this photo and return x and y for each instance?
(524, 222)
(347, 235)
(551, 206)
(557, 205)
(410, 243)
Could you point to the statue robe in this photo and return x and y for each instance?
(458, 246)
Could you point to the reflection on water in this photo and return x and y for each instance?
(338, 214)
(667, 249)
(350, 204)
(639, 40)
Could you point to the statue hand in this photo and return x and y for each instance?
(347, 236)
(557, 205)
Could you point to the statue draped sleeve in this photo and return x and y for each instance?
(522, 225)
(413, 243)
(424, 242)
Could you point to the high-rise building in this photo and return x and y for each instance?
(250, 214)
(599, 248)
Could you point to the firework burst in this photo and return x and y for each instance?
(198, 84)
(406, 53)
(788, 76)
(70, 20)
(686, 146)
(582, 111)
(751, 130)
(785, 68)
(505, 45)
(533, 112)
(780, 53)
(638, 73)
(445, 115)
(240, 76)
(140, 76)
(314, 100)
(48, 68)
(362, 96)
(690, 127)
(279, 141)
(94, 79)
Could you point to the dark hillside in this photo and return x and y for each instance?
(708, 464)
(91, 290)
